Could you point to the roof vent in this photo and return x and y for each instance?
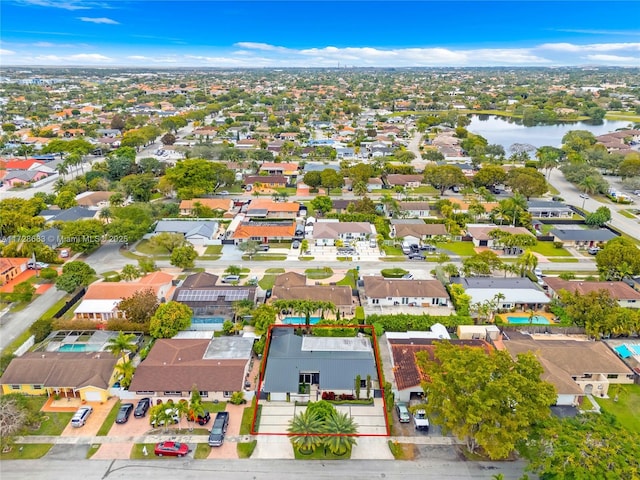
(44, 356)
(179, 359)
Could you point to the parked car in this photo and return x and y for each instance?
(171, 449)
(403, 413)
(420, 420)
(230, 278)
(538, 272)
(295, 244)
(142, 407)
(80, 417)
(124, 413)
(201, 419)
(584, 195)
(416, 256)
(428, 248)
(220, 424)
(263, 248)
(37, 265)
(408, 276)
(593, 250)
(64, 253)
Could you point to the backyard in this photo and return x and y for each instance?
(624, 404)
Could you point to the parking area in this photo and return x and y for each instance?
(228, 448)
(94, 422)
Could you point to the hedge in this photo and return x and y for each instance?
(404, 322)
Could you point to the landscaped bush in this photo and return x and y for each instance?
(393, 272)
(405, 322)
(41, 329)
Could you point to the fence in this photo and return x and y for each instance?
(543, 329)
(25, 346)
(70, 303)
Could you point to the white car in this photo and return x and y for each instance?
(81, 416)
(584, 195)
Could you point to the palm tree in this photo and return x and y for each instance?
(360, 189)
(62, 168)
(527, 262)
(130, 272)
(588, 185)
(126, 370)
(123, 343)
(341, 429)
(305, 428)
(105, 214)
(182, 409)
(242, 308)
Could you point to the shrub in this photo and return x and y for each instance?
(393, 272)
(41, 329)
(237, 398)
(557, 244)
(328, 395)
(48, 273)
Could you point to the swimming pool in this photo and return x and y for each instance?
(626, 351)
(78, 347)
(536, 320)
(206, 320)
(299, 320)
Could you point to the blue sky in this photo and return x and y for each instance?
(301, 33)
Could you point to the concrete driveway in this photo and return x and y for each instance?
(94, 422)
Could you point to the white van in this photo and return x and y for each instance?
(230, 278)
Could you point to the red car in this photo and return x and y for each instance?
(171, 449)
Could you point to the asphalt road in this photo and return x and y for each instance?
(187, 469)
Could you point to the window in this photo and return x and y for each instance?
(204, 394)
(173, 393)
(612, 375)
(15, 387)
(227, 394)
(405, 301)
(363, 383)
(146, 392)
(37, 387)
(375, 301)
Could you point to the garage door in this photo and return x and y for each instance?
(565, 399)
(92, 396)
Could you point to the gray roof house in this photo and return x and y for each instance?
(50, 237)
(519, 292)
(194, 231)
(548, 209)
(582, 238)
(326, 233)
(323, 363)
(69, 215)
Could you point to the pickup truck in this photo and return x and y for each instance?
(420, 420)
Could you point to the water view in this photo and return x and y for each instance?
(507, 131)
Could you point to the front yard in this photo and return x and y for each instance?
(627, 406)
(548, 250)
(464, 249)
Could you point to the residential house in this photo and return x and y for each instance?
(508, 293)
(374, 184)
(196, 232)
(208, 300)
(625, 295)
(94, 200)
(580, 238)
(216, 367)
(69, 215)
(480, 234)
(341, 206)
(267, 208)
(576, 367)
(51, 237)
(288, 170)
(462, 206)
(10, 268)
(548, 209)
(265, 181)
(101, 300)
(312, 365)
(328, 232)
(389, 292)
(222, 205)
(416, 231)
(19, 177)
(293, 286)
(84, 375)
(414, 209)
(407, 377)
(261, 230)
(406, 181)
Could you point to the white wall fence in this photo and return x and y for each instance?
(25, 346)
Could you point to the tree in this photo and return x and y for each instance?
(249, 247)
(130, 272)
(125, 370)
(341, 430)
(139, 186)
(591, 310)
(489, 176)
(82, 235)
(140, 306)
(14, 415)
(322, 203)
(262, 318)
(233, 270)
(74, 274)
(486, 398)
(168, 139)
(120, 162)
(312, 179)
(40, 329)
(196, 177)
(123, 344)
(598, 218)
(331, 179)
(167, 240)
(444, 177)
(630, 166)
(616, 252)
(590, 445)
(66, 199)
(527, 181)
(527, 262)
(169, 319)
(184, 256)
(23, 292)
(306, 428)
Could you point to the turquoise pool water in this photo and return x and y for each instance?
(299, 320)
(206, 320)
(537, 319)
(626, 351)
(78, 347)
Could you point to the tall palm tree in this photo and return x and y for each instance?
(105, 214)
(588, 185)
(182, 409)
(62, 168)
(305, 428)
(360, 189)
(122, 344)
(527, 262)
(342, 430)
(126, 370)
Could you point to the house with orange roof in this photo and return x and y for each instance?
(28, 164)
(100, 302)
(264, 231)
(223, 205)
(288, 170)
(10, 268)
(462, 206)
(267, 208)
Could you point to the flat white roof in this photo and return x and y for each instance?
(335, 344)
(97, 306)
(511, 295)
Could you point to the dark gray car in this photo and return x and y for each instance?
(124, 412)
(220, 424)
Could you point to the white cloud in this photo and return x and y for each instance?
(4, 51)
(593, 47)
(92, 57)
(102, 20)
(138, 57)
(615, 59)
(65, 5)
(261, 46)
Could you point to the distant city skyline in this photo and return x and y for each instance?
(278, 34)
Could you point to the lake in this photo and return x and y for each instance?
(506, 131)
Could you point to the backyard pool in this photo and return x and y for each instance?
(536, 320)
(78, 347)
(626, 351)
(299, 320)
(206, 320)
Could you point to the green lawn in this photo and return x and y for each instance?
(464, 249)
(245, 449)
(563, 260)
(213, 250)
(318, 273)
(548, 250)
(321, 454)
(28, 451)
(265, 258)
(275, 270)
(202, 451)
(626, 408)
(109, 421)
(424, 189)
(349, 279)
(145, 246)
(391, 251)
(53, 423)
(214, 407)
(626, 213)
(306, 259)
(266, 282)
